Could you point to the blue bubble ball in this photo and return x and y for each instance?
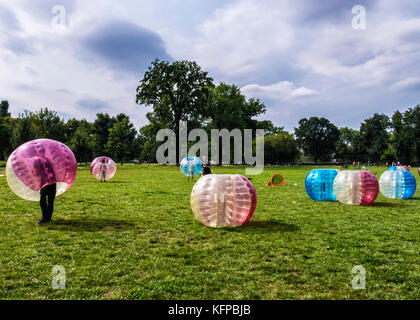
(397, 184)
(319, 184)
(191, 165)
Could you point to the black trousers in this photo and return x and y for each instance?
(47, 200)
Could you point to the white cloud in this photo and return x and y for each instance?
(281, 91)
(409, 83)
(239, 37)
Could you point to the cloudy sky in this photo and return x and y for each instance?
(300, 57)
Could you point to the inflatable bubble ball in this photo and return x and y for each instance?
(223, 200)
(399, 168)
(397, 184)
(356, 187)
(319, 184)
(191, 165)
(103, 168)
(39, 163)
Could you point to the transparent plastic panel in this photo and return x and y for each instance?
(319, 184)
(223, 200)
(103, 166)
(39, 163)
(191, 165)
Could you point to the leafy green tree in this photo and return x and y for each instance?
(345, 146)
(101, 127)
(269, 128)
(406, 135)
(374, 137)
(4, 109)
(5, 137)
(177, 91)
(24, 129)
(403, 138)
(318, 137)
(80, 139)
(120, 140)
(390, 153)
(229, 109)
(49, 125)
(280, 148)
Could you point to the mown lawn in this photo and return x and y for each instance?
(135, 237)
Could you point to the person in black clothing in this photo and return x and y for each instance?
(206, 169)
(44, 169)
(47, 202)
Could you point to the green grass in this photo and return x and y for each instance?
(135, 237)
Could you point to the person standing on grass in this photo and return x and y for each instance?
(103, 171)
(206, 169)
(43, 166)
(190, 172)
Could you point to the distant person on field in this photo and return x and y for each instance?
(103, 171)
(190, 173)
(44, 168)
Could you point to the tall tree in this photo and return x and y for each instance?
(345, 146)
(24, 129)
(49, 125)
(4, 109)
(318, 137)
(79, 138)
(412, 116)
(120, 140)
(177, 91)
(280, 148)
(229, 109)
(374, 136)
(402, 138)
(5, 137)
(101, 127)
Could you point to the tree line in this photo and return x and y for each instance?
(182, 91)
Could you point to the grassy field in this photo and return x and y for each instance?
(135, 237)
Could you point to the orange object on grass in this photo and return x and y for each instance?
(276, 180)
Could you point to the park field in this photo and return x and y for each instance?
(135, 237)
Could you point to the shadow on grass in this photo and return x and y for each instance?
(386, 204)
(91, 225)
(414, 198)
(118, 182)
(267, 226)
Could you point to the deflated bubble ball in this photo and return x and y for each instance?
(356, 187)
(399, 168)
(223, 200)
(39, 163)
(397, 184)
(191, 165)
(319, 184)
(102, 165)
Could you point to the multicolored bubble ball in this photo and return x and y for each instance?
(399, 168)
(39, 163)
(397, 184)
(103, 167)
(223, 200)
(356, 187)
(191, 165)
